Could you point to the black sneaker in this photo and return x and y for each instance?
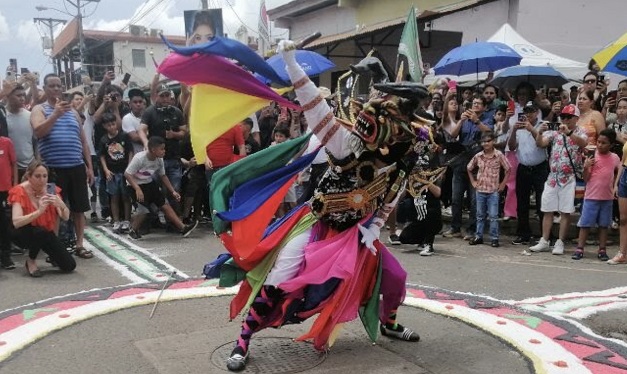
(187, 229)
(602, 255)
(237, 359)
(7, 264)
(400, 333)
(495, 243)
(394, 239)
(577, 255)
(521, 241)
(475, 241)
(134, 234)
(93, 217)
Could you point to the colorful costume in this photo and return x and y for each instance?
(324, 257)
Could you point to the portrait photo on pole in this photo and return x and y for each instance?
(202, 25)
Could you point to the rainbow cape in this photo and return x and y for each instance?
(223, 94)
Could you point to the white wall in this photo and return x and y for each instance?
(142, 76)
(478, 23)
(575, 29)
(329, 21)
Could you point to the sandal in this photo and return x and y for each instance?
(83, 253)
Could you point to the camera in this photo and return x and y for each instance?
(553, 126)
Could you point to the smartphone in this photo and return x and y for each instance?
(511, 106)
(51, 189)
(601, 78)
(522, 117)
(452, 85)
(127, 78)
(467, 105)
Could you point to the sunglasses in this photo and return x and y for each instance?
(566, 117)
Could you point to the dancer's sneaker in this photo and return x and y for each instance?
(400, 333)
(237, 360)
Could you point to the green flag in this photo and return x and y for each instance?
(410, 47)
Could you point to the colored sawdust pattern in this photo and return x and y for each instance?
(553, 345)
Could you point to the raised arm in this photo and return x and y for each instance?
(319, 115)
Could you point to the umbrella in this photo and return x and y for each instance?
(476, 58)
(613, 58)
(536, 75)
(312, 63)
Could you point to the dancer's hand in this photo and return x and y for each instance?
(287, 49)
(369, 236)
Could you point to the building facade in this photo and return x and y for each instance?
(574, 29)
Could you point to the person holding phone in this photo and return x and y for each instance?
(532, 169)
(63, 145)
(36, 208)
(469, 128)
(611, 101)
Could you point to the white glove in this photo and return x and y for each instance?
(369, 236)
(287, 49)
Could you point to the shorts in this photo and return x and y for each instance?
(117, 185)
(73, 184)
(596, 213)
(622, 183)
(152, 195)
(559, 198)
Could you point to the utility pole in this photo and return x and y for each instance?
(79, 5)
(51, 23)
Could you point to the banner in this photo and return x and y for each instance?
(410, 47)
(202, 25)
(264, 29)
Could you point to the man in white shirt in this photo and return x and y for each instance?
(532, 171)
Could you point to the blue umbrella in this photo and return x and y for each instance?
(536, 75)
(312, 63)
(476, 58)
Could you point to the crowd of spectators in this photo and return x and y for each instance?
(122, 155)
(545, 146)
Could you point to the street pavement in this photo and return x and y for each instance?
(478, 309)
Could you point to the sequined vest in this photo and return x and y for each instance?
(352, 188)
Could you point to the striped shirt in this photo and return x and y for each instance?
(62, 147)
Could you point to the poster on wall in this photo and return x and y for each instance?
(202, 25)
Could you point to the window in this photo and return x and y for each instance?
(139, 58)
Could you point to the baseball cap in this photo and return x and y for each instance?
(530, 107)
(162, 88)
(571, 110)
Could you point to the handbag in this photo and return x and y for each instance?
(580, 184)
